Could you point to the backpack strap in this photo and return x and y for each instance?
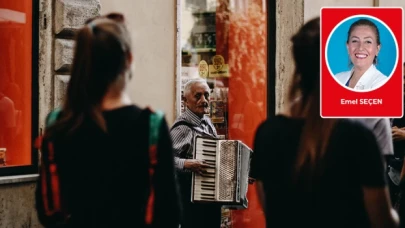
(52, 117)
(49, 179)
(155, 121)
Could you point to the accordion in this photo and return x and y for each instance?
(226, 180)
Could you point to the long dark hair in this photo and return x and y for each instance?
(304, 97)
(100, 59)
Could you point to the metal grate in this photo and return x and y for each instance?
(245, 169)
(227, 171)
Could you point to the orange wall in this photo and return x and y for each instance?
(16, 80)
(243, 43)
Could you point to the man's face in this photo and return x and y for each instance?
(197, 99)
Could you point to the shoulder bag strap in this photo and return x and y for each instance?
(52, 117)
(49, 179)
(155, 122)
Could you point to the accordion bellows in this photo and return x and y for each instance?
(226, 181)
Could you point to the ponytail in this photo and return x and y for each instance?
(100, 56)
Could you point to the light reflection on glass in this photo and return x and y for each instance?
(230, 36)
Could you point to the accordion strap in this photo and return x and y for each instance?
(192, 127)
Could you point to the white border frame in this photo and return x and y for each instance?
(334, 30)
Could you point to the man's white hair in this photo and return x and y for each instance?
(189, 84)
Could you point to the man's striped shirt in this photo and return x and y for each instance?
(183, 136)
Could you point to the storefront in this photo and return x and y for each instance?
(230, 44)
(18, 87)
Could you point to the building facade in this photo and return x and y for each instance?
(160, 62)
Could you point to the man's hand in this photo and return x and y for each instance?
(195, 165)
(398, 134)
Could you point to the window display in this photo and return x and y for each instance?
(16, 83)
(225, 42)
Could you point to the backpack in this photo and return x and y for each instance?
(156, 119)
(53, 212)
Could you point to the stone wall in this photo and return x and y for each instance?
(69, 16)
(289, 18)
(17, 200)
(17, 206)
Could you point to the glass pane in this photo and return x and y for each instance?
(225, 42)
(15, 82)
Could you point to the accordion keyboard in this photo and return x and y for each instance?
(205, 185)
(225, 180)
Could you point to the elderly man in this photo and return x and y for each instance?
(191, 123)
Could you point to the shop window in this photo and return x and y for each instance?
(226, 43)
(18, 86)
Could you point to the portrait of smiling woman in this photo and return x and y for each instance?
(370, 50)
(363, 46)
